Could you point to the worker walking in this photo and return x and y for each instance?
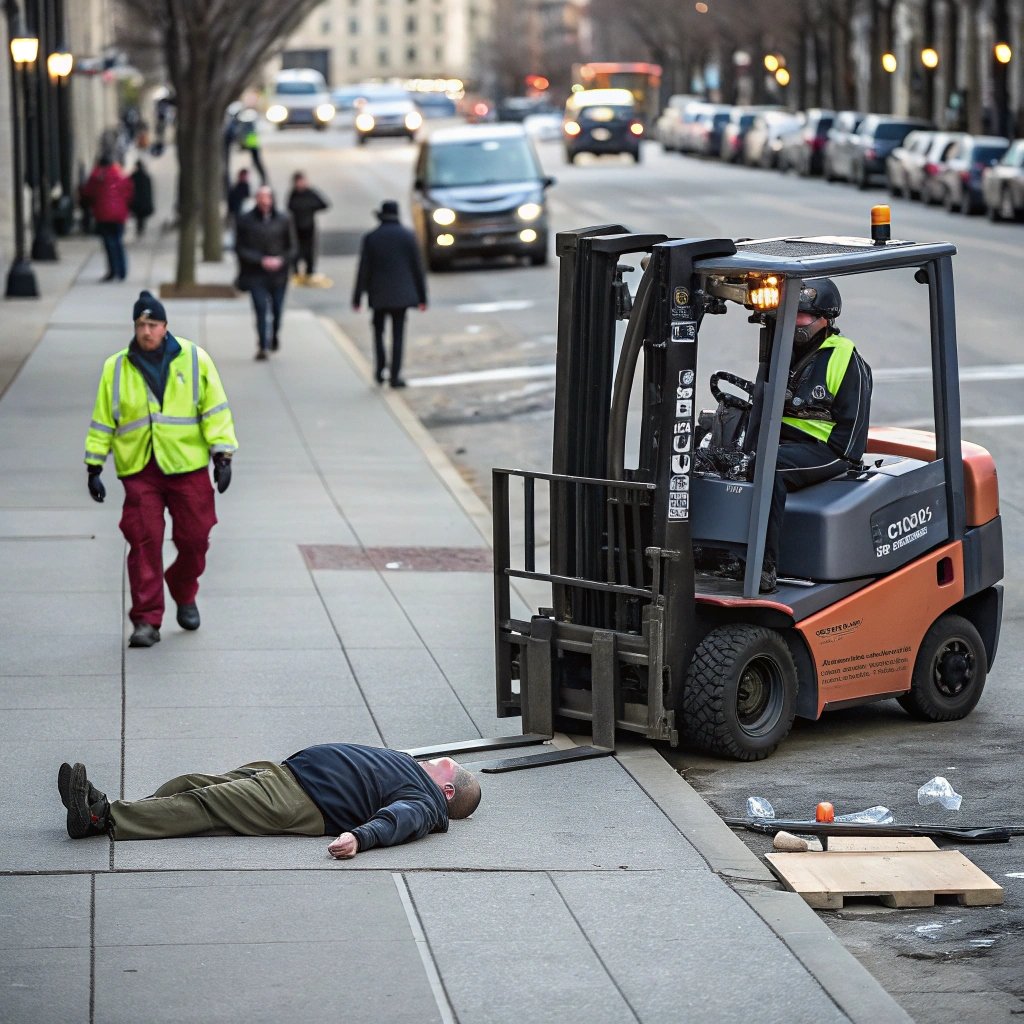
(161, 408)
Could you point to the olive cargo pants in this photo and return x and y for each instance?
(259, 799)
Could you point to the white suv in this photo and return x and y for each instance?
(300, 98)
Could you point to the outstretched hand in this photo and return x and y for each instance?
(344, 847)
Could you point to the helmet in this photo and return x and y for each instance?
(820, 296)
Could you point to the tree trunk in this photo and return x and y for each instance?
(188, 183)
(972, 71)
(212, 184)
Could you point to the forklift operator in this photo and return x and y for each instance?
(828, 402)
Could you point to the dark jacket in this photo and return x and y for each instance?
(237, 195)
(383, 797)
(390, 269)
(142, 200)
(257, 236)
(304, 205)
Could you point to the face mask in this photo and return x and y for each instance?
(803, 336)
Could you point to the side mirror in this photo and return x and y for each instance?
(418, 184)
(549, 181)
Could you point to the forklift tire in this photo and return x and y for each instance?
(949, 673)
(739, 698)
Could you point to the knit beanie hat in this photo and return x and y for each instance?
(148, 306)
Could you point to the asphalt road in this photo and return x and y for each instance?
(480, 366)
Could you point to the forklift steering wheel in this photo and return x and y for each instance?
(733, 401)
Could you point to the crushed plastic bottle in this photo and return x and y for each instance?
(939, 791)
(876, 815)
(759, 807)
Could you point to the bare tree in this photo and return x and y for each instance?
(212, 49)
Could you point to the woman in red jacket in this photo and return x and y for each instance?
(109, 194)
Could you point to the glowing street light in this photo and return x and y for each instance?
(24, 49)
(701, 8)
(782, 76)
(1003, 53)
(771, 62)
(59, 64)
(889, 62)
(929, 57)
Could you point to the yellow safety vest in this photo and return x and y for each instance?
(838, 362)
(194, 422)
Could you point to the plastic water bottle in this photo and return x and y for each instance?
(876, 815)
(939, 791)
(759, 807)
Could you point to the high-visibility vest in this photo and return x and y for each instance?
(816, 394)
(193, 424)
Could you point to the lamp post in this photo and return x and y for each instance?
(21, 278)
(44, 241)
(59, 65)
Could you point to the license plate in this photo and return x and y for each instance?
(489, 240)
(601, 134)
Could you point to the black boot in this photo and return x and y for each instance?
(86, 817)
(188, 616)
(768, 576)
(144, 635)
(64, 786)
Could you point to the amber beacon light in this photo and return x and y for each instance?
(880, 220)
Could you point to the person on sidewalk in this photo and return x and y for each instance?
(266, 247)
(239, 192)
(391, 275)
(304, 203)
(366, 796)
(142, 198)
(161, 407)
(108, 193)
(248, 133)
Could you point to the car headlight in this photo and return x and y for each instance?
(529, 211)
(324, 112)
(277, 113)
(413, 120)
(443, 216)
(571, 128)
(365, 122)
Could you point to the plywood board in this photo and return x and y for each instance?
(879, 844)
(902, 879)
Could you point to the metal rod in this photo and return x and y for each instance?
(528, 538)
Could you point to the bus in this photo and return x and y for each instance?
(641, 79)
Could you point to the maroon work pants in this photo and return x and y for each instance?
(189, 499)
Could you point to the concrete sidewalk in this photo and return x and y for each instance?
(347, 598)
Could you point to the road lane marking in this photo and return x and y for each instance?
(494, 307)
(995, 371)
(482, 376)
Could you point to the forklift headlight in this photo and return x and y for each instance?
(764, 293)
(443, 216)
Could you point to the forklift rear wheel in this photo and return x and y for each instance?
(949, 673)
(739, 699)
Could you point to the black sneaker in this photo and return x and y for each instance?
(188, 616)
(261, 355)
(144, 635)
(85, 817)
(275, 343)
(64, 786)
(768, 577)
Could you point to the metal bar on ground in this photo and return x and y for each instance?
(473, 746)
(513, 764)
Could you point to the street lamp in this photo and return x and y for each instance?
(59, 65)
(21, 278)
(889, 62)
(1002, 53)
(771, 63)
(929, 58)
(782, 76)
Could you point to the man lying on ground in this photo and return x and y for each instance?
(366, 796)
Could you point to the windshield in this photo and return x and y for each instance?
(596, 115)
(487, 162)
(988, 154)
(897, 132)
(297, 89)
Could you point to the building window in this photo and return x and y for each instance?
(325, 27)
(438, 54)
(353, 56)
(438, 22)
(410, 54)
(382, 24)
(382, 57)
(410, 24)
(353, 26)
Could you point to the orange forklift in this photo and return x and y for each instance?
(888, 574)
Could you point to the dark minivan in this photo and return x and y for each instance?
(479, 191)
(601, 121)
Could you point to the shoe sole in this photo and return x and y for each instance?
(79, 818)
(64, 783)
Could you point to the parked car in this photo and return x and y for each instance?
(1002, 185)
(839, 135)
(763, 140)
(689, 126)
(516, 109)
(740, 121)
(923, 175)
(434, 104)
(387, 116)
(344, 98)
(897, 163)
(544, 127)
(706, 132)
(961, 179)
(862, 157)
(479, 191)
(801, 149)
(300, 97)
(668, 127)
(601, 121)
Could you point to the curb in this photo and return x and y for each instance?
(845, 980)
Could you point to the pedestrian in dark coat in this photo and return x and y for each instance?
(391, 275)
(109, 195)
(237, 195)
(142, 200)
(266, 248)
(304, 203)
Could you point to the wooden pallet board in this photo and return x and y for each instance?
(879, 844)
(897, 879)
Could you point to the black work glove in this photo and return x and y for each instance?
(96, 488)
(221, 471)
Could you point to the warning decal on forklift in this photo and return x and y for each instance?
(682, 443)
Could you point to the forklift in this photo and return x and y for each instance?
(888, 574)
